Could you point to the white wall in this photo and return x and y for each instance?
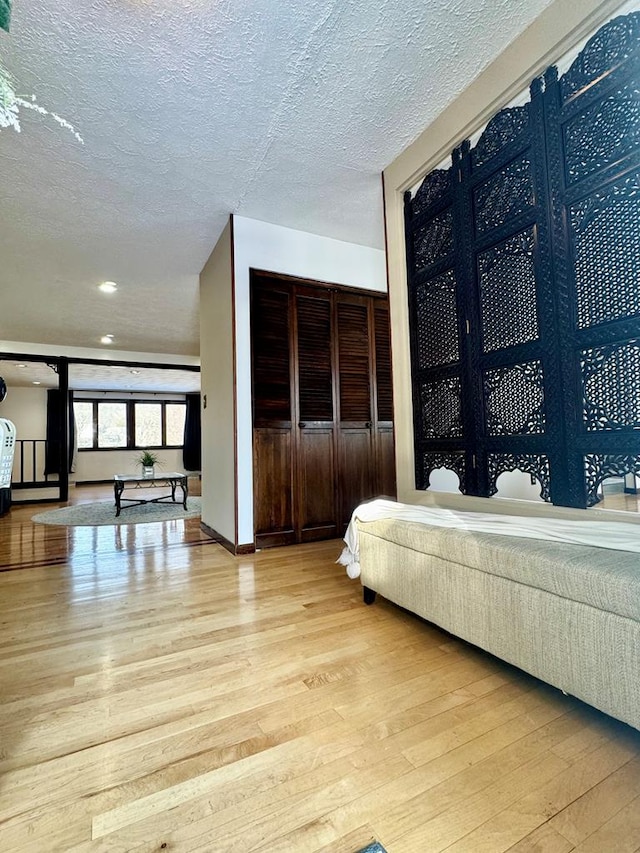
(556, 32)
(94, 465)
(27, 408)
(261, 246)
(217, 386)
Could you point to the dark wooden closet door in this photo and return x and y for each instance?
(322, 407)
(355, 445)
(272, 410)
(316, 425)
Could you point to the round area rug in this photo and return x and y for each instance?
(94, 514)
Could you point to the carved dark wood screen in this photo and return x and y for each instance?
(524, 286)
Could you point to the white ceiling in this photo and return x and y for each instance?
(193, 109)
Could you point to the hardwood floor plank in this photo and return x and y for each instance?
(620, 834)
(587, 814)
(443, 830)
(155, 690)
(543, 839)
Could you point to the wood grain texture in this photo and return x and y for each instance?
(323, 407)
(155, 690)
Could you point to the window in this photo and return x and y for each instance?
(128, 424)
(175, 414)
(84, 424)
(112, 424)
(148, 424)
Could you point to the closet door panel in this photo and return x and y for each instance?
(384, 385)
(357, 480)
(317, 518)
(385, 464)
(273, 487)
(355, 374)
(314, 351)
(354, 360)
(316, 477)
(270, 355)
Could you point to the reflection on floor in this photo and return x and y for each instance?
(614, 497)
(24, 544)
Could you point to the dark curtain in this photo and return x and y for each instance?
(191, 455)
(54, 449)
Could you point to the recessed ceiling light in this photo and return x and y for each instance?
(106, 339)
(21, 365)
(108, 287)
(35, 382)
(135, 372)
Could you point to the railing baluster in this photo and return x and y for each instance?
(29, 479)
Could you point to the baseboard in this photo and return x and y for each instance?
(236, 550)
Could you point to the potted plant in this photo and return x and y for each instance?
(148, 460)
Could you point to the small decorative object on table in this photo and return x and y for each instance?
(148, 460)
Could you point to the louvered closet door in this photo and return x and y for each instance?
(272, 411)
(316, 476)
(355, 445)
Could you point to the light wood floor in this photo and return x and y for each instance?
(158, 694)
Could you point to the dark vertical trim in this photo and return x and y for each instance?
(63, 386)
(469, 326)
(131, 418)
(551, 238)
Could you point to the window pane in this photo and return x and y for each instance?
(112, 424)
(84, 423)
(175, 424)
(148, 418)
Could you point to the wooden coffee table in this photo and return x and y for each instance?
(172, 480)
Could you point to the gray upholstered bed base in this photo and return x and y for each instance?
(568, 614)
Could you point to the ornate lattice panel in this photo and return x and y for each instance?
(599, 466)
(434, 240)
(608, 131)
(537, 465)
(507, 286)
(442, 408)
(524, 282)
(434, 187)
(453, 461)
(606, 246)
(437, 321)
(612, 45)
(504, 195)
(611, 386)
(503, 128)
(514, 399)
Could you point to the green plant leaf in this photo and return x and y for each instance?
(147, 458)
(5, 14)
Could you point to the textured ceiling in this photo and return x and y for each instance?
(193, 109)
(98, 377)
